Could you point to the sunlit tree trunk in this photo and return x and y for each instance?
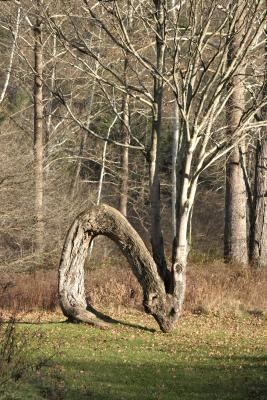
(12, 54)
(175, 141)
(186, 190)
(235, 230)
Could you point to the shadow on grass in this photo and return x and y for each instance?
(99, 315)
(105, 318)
(99, 380)
(18, 322)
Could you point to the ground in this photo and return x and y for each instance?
(206, 357)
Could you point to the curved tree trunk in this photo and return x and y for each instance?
(107, 221)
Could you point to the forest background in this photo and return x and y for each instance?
(76, 130)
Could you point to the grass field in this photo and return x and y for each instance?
(206, 357)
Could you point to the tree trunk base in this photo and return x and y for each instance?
(85, 319)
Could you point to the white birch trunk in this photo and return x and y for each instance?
(12, 53)
(175, 141)
(101, 178)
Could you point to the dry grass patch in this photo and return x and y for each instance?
(211, 288)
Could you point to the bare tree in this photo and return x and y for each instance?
(189, 59)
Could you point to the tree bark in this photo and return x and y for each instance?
(175, 143)
(38, 133)
(180, 261)
(154, 155)
(259, 227)
(107, 221)
(125, 136)
(235, 230)
(186, 189)
(258, 233)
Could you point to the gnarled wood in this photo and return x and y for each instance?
(107, 221)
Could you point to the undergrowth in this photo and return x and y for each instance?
(16, 349)
(211, 289)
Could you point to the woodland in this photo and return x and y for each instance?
(133, 181)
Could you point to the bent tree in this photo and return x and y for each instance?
(186, 55)
(106, 220)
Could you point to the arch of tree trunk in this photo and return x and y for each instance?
(107, 221)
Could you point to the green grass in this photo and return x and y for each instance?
(204, 358)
